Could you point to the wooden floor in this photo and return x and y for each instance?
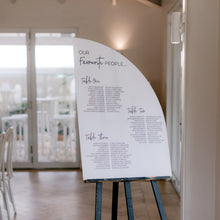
(62, 195)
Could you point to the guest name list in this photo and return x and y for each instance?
(121, 125)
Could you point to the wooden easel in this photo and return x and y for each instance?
(128, 196)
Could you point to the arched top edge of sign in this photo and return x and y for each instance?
(95, 51)
(117, 110)
(107, 49)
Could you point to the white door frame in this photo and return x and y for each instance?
(173, 101)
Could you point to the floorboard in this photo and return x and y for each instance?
(62, 195)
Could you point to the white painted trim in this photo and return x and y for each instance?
(184, 159)
(170, 93)
(199, 118)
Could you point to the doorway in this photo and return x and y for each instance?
(174, 91)
(37, 97)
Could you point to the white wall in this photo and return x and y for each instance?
(201, 95)
(129, 22)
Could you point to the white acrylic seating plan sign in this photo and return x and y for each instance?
(121, 125)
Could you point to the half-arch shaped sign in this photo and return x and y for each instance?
(121, 124)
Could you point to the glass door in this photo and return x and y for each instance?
(37, 97)
(56, 144)
(174, 93)
(55, 99)
(13, 92)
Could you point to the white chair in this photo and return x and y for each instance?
(20, 127)
(48, 104)
(9, 167)
(66, 105)
(63, 136)
(43, 129)
(3, 187)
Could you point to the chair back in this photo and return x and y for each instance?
(20, 126)
(10, 139)
(2, 151)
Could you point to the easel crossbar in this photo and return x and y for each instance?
(127, 179)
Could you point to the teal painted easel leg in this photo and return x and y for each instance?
(115, 200)
(158, 200)
(98, 201)
(129, 200)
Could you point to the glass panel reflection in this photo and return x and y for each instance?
(13, 91)
(55, 97)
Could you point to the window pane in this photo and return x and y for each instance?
(55, 97)
(13, 91)
(53, 56)
(13, 56)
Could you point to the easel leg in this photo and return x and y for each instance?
(115, 200)
(158, 199)
(98, 201)
(129, 200)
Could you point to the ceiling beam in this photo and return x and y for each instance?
(151, 3)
